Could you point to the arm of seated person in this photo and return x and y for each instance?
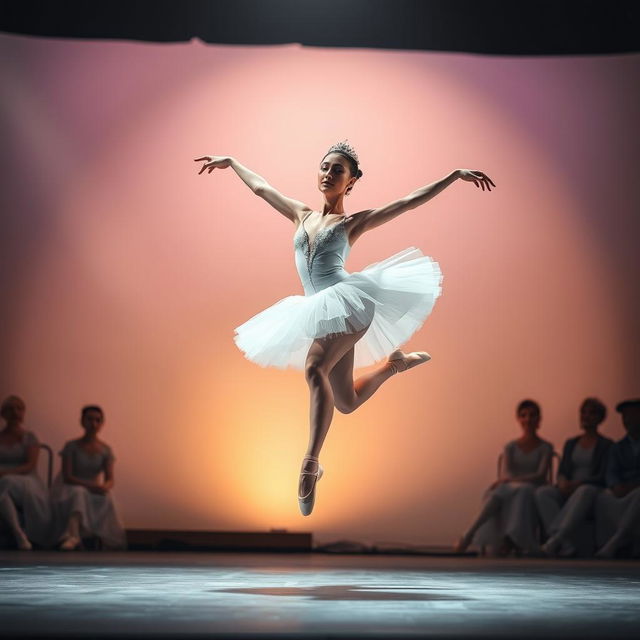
(69, 478)
(499, 481)
(109, 478)
(33, 451)
(504, 470)
(566, 486)
(539, 476)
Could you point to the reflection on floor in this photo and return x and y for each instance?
(313, 595)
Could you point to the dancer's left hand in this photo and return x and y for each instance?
(478, 178)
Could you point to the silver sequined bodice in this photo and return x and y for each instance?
(321, 264)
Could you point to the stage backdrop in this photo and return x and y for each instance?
(124, 272)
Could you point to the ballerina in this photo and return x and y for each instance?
(343, 320)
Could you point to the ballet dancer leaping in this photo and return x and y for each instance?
(343, 320)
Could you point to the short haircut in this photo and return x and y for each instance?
(598, 405)
(92, 407)
(528, 404)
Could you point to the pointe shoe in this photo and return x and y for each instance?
(307, 501)
(401, 361)
(69, 543)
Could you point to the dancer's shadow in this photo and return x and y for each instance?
(348, 592)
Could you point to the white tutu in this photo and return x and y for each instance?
(395, 296)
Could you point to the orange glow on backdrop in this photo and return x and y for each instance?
(139, 269)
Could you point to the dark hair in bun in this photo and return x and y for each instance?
(348, 152)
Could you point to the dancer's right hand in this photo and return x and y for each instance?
(213, 162)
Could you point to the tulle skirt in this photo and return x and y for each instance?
(392, 298)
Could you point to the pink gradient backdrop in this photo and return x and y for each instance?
(126, 272)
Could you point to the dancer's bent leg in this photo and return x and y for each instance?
(322, 358)
(349, 395)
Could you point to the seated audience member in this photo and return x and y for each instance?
(82, 499)
(24, 499)
(618, 508)
(581, 477)
(508, 519)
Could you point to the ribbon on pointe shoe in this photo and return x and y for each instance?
(307, 501)
(317, 474)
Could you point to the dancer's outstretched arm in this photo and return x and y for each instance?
(288, 207)
(371, 218)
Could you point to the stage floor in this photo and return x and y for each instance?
(185, 595)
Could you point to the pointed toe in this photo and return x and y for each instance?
(306, 507)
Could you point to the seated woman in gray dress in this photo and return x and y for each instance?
(24, 499)
(581, 476)
(81, 495)
(508, 519)
(618, 507)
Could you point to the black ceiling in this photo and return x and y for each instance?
(507, 27)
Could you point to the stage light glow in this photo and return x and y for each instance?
(148, 268)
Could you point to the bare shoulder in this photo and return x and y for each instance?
(289, 207)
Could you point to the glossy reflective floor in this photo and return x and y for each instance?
(314, 595)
